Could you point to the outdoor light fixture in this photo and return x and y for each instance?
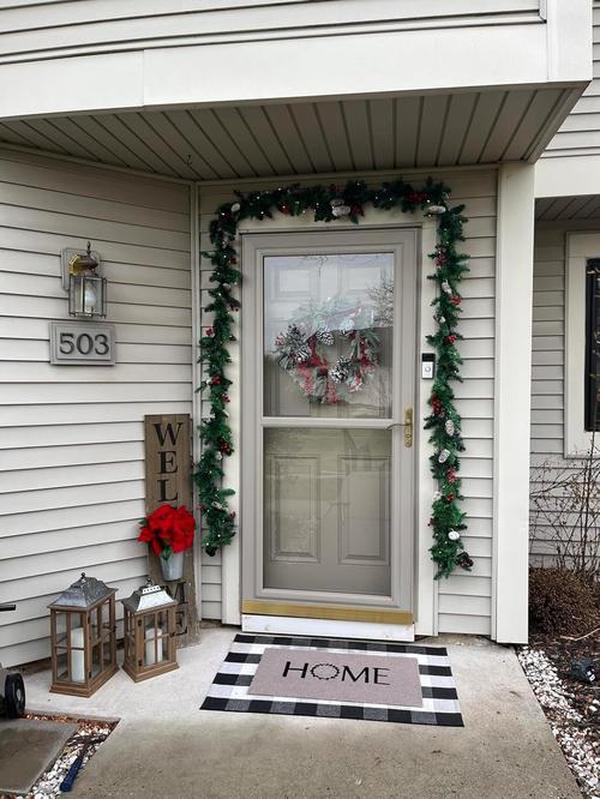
(149, 628)
(83, 637)
(87, 289)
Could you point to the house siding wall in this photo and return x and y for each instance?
(465, 599)
(57, 28)
(71, 444)
(548, 412)
(580, 132)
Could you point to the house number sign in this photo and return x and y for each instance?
(88, 344)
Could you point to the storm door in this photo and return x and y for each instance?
(328, 386)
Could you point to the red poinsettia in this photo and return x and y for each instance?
(168, 529)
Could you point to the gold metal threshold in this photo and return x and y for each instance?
(267, 607)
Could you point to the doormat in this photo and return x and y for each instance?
(334, 678)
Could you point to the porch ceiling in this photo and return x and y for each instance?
(309, 137)
(551, 209)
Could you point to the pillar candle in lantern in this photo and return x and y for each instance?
(77, 655)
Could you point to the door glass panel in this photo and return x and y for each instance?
(328, 335)
(327, 510)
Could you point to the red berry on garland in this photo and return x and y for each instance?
(456, 300)
(451, 338)
(450, 497)
(451, 476)
(226, 398)
(436, 405)
(215, 381)
(210, 332)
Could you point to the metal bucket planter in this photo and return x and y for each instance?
(172, 567)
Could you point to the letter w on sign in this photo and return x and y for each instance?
(166, 430)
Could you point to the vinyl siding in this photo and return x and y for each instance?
(58, 28)
(464, 599)
(71, 445)
(580, 132)
(548, 358)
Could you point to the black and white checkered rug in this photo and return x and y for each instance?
(231, 688)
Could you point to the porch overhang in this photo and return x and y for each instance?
(302, 138)
(573, 175)
(383, 85)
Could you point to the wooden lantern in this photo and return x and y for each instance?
(150, 628)
(83, 637)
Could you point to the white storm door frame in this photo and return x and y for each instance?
(403, 243)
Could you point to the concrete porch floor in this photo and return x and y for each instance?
(165, 747)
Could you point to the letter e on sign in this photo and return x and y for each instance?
(168, 460)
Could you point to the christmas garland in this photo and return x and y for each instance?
(327, 204)
(301, 351)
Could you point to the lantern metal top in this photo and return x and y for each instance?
(84, 262)
(83, 594)
(148, 597)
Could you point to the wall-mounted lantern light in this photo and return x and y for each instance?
(87, 289)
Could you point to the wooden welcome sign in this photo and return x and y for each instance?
(169, 480)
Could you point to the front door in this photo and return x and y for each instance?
(328, 377)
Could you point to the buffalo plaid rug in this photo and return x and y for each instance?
(231, 689)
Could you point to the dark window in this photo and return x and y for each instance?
(592, 345)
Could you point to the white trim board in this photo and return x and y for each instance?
(328, 628)
(512, 402)
(579, 247)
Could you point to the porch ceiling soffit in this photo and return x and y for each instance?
(578, 211)
(230, 142)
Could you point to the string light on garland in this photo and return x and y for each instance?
(327, 204)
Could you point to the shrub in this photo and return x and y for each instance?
(560, 603)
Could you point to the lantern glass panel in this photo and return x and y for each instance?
(61, 629)
(164, 625)
(62, 665)
(74, 642)
(129, 635)
(155, 634)
(87, 295)
(96, 659)
(106, 654)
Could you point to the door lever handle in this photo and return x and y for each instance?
(407, 425)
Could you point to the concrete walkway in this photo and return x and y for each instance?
(164, 747)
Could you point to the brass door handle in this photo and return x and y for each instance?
(407, 425)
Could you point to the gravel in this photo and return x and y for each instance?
(92, 732)
(572, 709)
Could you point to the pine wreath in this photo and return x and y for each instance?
(302, 350)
